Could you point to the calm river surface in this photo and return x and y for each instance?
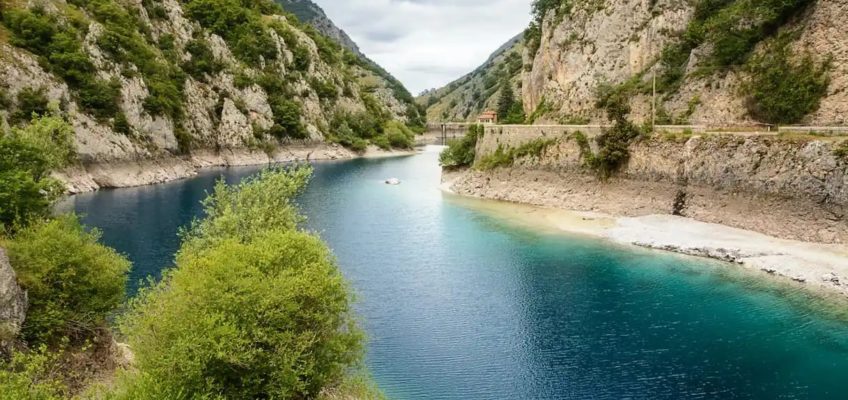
(463, 304)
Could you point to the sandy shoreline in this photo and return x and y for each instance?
(822, 267)
(129, 173)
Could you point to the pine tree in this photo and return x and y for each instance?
(506, 100)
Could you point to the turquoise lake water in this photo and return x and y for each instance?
(462, 304)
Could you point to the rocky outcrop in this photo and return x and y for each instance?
(13, 303)
(312, 14)
(788, 188)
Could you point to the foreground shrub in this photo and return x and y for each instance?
(27, 156)
(73, 282)
(461, 152)
(29, 376)
(254, 308)
(245, 210)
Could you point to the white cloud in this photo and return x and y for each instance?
(429, 43)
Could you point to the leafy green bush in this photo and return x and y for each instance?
(362, 125)
(121, 125)
(326, 90)
(27, 156)
(782, 90)
(29, 376)
(399, 135)
(461, 152)
(382, 142)
(254, 308)
(31, 103)
(613, 143)
(287, 123)
(239, 23)
(73, 281)
(202, 62)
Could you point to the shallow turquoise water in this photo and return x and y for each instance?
(460, 304)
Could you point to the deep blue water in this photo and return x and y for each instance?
(462, 304)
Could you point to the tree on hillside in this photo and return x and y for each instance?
(506, 100)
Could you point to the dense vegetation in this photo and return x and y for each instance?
(614, 142)
(510, 110)
(461, 152)
(254, 308)
(27, 155)
(783, 89)
(73, 282)
(59, 47)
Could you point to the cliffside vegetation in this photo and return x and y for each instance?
(503, 157)
(750, 38)
(156, 79)
(224, 316)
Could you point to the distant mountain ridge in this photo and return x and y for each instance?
(312, 14)
(465, 98)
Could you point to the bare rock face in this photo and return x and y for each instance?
(622, 39)
(13, 303)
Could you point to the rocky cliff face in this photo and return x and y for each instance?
(716, 62)
(465, 98)
(702, 73)
(13, 303)
(146, 79)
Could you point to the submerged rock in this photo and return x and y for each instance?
(13, 303)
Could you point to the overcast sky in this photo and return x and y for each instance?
(429, 43)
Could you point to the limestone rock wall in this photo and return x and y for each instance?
(612, 41)
(13, 302)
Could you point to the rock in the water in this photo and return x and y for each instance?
(13, 302)
(393, 181)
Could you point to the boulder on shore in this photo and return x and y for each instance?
(13, 303)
